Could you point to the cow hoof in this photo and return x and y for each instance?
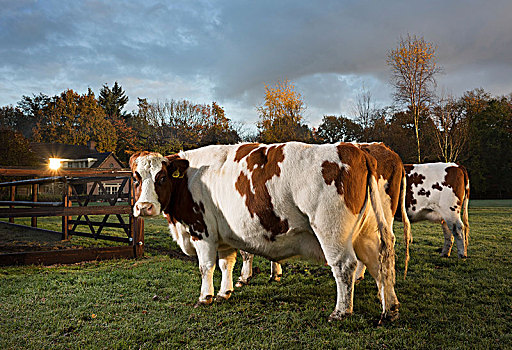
(223, 297)
(463, 256)
(338, 315)
(444, 255)
(240, 283)
(389, 316)
(276, 278)
(207, 301)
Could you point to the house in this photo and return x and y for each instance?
(57, 155)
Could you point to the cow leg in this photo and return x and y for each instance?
(227, 259)
(381, 266)
(457, 229)
(360, 270)
(206, 254)
(276, 272)
(246, 273)
(448, 240)
(343, 270)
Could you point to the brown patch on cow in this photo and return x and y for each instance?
(389, 167)
(412, 179)
(181, 206)
(331, 172)
(423, 192)
(455, 180)
(244, 150)
(262, 165)
(351, 184)
(437, 186)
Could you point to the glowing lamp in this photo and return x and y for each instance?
(54, 163)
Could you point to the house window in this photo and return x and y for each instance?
(111, 189)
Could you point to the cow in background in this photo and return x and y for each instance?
(320, 202)
(438, 192)
(392, 185)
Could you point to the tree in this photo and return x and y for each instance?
(451, 129)
(12, 145)
(218, 129)
(113, 101)
(281, 115)
(339, 129)
(490, 150)
(76, 119)
(364, 109)
(414, 69)
(32, 108)
(10, 118)
(170, 126)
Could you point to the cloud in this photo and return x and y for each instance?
(225, 51)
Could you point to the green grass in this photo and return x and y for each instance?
(446, 303)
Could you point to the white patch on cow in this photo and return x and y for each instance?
(148, 167)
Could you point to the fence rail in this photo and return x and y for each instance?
(72, 183)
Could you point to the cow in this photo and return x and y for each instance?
(320, 202)
(438, 192)
(392, 186)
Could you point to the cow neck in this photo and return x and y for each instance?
(183, 209)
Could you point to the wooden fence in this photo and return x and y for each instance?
(74, 203)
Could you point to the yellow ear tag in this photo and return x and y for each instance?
(177, 174)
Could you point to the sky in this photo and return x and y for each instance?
(226, 51)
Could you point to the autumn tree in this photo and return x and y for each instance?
(75, 119)
(281, 115)
(339, 129)
(413, 75)
(218, 129)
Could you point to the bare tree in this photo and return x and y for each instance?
(451, 129)
(414, 68)
(364, 109)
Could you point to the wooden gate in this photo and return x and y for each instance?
(79, 203)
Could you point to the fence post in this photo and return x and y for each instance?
(35, 189)
(13, 198)
(138, 237)
(67, 203)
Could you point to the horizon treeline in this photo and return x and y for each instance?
(474, 130)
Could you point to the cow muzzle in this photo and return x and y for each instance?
(145, 209)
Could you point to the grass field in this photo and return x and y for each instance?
(446, 303)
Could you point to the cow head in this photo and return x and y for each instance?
(155, 180)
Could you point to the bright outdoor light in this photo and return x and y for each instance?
(54, 163)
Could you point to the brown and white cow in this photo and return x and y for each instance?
(321, 202)
(438, 192)
(392, 185)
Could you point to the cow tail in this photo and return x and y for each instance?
(387, 239)
(405, 221)
(465, 214)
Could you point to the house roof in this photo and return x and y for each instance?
(44, 151)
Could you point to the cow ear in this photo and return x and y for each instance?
(177, 168)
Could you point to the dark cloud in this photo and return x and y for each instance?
(226, 51)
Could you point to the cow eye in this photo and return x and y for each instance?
(136, 182)
(162, 180)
